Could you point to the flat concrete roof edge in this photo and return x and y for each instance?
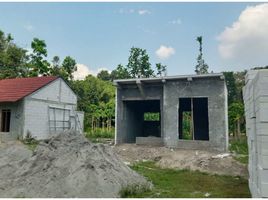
(157, 79)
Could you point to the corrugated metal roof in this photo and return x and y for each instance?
(12, 90)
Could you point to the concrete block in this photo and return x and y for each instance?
(262, 129)
(263, 161)
(151, 141)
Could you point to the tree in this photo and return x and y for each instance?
(56, 61)
(68, 68)
(104, 75)
(97, 100)
(120, 72)
(38, 64)
(231, 86)
(161, 69)
(138, 64)
(236, 117)
(12, 58)
(240, 83)
(201, 67)
(65, 70)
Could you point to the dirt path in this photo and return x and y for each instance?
(204, 161)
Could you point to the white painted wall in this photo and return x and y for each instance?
(57, 91)
(37, 119)
(36, 108)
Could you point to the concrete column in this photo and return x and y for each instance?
(170, 117)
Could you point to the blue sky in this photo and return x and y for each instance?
(100, 35)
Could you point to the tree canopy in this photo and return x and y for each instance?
(18, 62)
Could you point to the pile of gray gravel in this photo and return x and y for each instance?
(67, 165)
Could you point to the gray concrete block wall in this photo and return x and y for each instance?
(255, 95)
(215, 91)
(168, 92)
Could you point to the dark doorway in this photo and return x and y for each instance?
(200, 118)
(142, 119)
(193, 119)
(5, 120)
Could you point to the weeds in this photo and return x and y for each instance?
(30, 141)
(240, 148)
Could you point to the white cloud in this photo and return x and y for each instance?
(29, 27)
(176, 21)
(144, 12)
(126, 11)
(164, 52)
(103, 68)
(246, 41)
(83, 71)
(133, 11)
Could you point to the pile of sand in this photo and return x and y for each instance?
(67, 165)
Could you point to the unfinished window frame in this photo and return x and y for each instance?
(53, 122)
(192, 110)
(5, 120)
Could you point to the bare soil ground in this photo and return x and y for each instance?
(67, 165)
(204, 161)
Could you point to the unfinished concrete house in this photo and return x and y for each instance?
(39, 106)
(176, 111)
(255, 95)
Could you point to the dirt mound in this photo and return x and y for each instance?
(67, 165)
(204, 161)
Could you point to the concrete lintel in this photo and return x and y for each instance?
(139, 84)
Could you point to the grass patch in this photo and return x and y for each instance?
(241, 158)
(240, 148)
(133, 190)
(171, 183)
(99, 133)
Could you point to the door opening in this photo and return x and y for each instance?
(5, 120)
(193, 119)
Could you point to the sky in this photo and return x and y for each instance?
(100, 35)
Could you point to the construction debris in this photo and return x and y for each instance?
(67, 165)
(205, 161)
